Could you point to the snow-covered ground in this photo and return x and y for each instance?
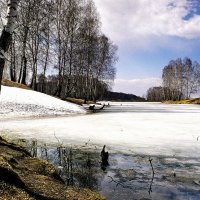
(15, 102)
(146, 128)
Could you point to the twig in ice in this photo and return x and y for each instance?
(119, 183)
(87, 142)
(60, 144)
(150, 160)
(150, 187)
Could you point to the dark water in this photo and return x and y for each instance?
(127, 176)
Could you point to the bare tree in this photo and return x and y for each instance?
(182, 78)
(25, 19)
(46, 38)
(59, 49)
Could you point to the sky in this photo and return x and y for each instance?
(149, 34)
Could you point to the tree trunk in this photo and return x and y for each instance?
(24, 59)
(5, 41)
(6, 35)
(24, 71)
(13, 62)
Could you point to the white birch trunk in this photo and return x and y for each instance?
(11, 15)
(6, 35)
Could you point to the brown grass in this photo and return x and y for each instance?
(192, 101)
(77, 101)
(9, 83)
(195, 101)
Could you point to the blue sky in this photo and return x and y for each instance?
(149, 34)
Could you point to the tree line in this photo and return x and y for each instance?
(58, 48)
(181, 79)
(119, 96)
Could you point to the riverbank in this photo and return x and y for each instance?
(25, 177)
(192, 101)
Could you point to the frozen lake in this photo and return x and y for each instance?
(143, 128)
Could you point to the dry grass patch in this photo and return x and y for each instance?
(195, 101)
(9, 83)
(192, 101)
(77, 101)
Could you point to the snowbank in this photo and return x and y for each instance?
(16, 102)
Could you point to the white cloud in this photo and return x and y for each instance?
(125, 20)
(136, 86)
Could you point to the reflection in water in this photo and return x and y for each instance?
(104, 159)
(126, 176)
(120, 183)
(74, 168)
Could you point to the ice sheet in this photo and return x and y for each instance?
(144, 128)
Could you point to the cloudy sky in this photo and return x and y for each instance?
(149, 33)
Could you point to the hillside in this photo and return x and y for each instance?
(17, 102)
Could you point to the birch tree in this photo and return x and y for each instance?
(58, 48)
(25, 19)
(6, 35)
(182, 78)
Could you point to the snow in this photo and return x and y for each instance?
(16, 102)
(138, 128)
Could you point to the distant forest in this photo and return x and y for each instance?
(118, 96)
(58, 48)
(181, 79)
